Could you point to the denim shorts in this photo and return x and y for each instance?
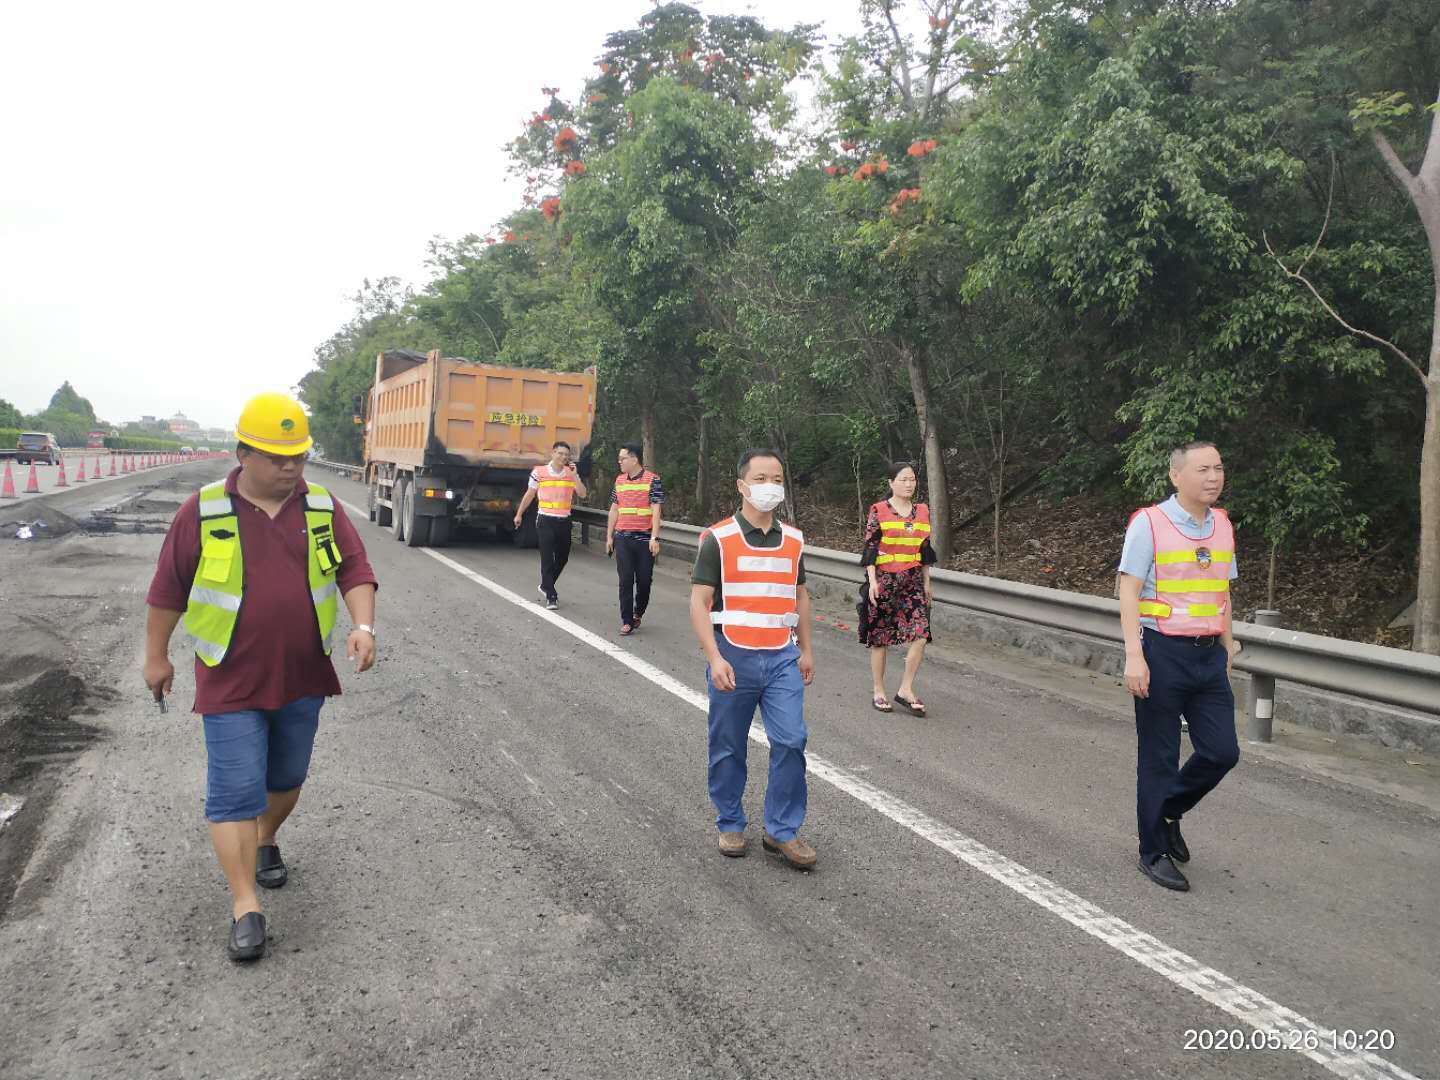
(255, 751)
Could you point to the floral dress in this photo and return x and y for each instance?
(902, 614)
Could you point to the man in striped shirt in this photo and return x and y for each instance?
(554, 486)
(632, 534)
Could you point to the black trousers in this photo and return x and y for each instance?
(1189, 681)
(637, 567)
(554, 535)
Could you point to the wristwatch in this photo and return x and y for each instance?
(368, 629)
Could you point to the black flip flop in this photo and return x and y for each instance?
(916, 707)
(270, 869)
(879, 704)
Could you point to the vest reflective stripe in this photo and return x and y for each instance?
(218, 591)
(1168, 558)
(632, 497)
(1190, 585)
(900, 537)
(753, 618)
(1189, 602)
(888, 560)
(215, 598)
(759, 587)
(1160, 610)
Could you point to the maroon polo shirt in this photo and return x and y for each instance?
(275, 655)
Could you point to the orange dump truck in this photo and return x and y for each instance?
(451, 443)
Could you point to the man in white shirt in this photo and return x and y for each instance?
(554, 486)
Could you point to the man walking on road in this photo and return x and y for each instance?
(749, 580)
(256, 564)
(1174, 587)
(632, 534)
(555, 485)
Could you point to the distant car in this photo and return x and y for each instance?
(187, 449)
(37, 446)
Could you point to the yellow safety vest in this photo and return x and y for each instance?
(219, 586)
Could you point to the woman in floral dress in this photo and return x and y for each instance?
(897, 561)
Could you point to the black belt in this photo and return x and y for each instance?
(1207, 641)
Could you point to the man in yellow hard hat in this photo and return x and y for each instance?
(256, 564)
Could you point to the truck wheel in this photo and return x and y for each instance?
(417, 528)
(398, 492)
(439, 531)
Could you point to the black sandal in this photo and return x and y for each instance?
(880, 703)
(270, 869)
(916, 707)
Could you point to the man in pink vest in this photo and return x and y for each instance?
(1174, 588)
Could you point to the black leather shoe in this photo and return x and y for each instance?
(1163, 872)
(1175, 842)
(270, 869)
(247, 937)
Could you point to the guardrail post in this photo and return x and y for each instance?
(585, 533)
(1260, 706)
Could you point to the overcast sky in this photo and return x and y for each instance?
(191, 191)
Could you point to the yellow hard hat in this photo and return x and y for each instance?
(276, 424)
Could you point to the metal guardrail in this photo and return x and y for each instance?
(353, 472)
(1371, 672)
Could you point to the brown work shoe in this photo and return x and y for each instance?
(732, 844)
(795, 852)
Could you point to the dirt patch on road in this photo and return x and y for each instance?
(73, 602)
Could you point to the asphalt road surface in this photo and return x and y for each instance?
(504, 861)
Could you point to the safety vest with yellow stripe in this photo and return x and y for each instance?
(759, 587)
(632, 499)
(1192, 576)
(901, 538)
(219, 587)
(555, 493)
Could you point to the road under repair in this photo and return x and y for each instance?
(495, 873)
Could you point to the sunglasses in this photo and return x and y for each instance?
(279, 460)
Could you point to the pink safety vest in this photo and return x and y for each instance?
(1192, 577)
(554, 493)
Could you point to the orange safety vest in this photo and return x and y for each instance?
(900, 538)
(758, 587)
(633, 499)
(1192, 577)
(555, 493)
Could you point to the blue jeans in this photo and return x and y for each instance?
(1193, 682)
(771, 680)
(255, 751)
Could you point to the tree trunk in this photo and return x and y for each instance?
(1426, 631)
(1270, 581)
(702, 470)
(999, 495)
(647, 432)
(939, 492)
(1423, 187)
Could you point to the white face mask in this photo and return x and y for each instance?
(766, 497)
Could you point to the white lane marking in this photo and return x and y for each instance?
(1287, 1028)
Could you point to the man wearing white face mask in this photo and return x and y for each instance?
(749, 582)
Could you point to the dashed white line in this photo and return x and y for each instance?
(1284, 1026)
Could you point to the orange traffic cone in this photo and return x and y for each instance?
(97, 466)
(32, 486)
(62, 481)
(112, 464)
(80, 476)
(7, 486)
